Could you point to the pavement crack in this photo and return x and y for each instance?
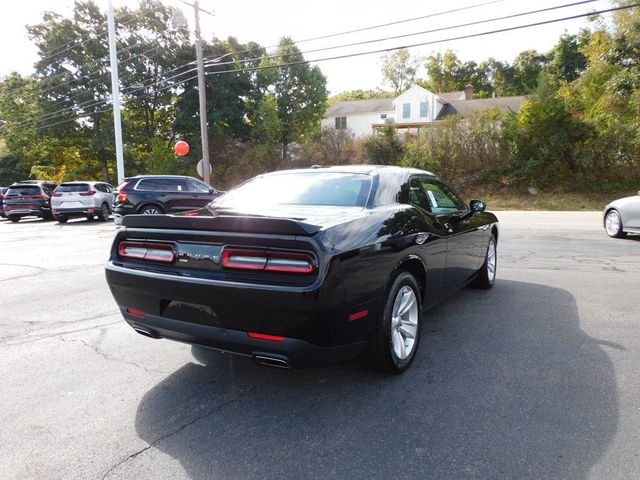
(113, 359)
(181, 428)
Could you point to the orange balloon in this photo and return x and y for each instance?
(181, 148)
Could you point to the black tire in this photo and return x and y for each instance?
(151, 210)
(614, 232)
(379, 354)
(61, 218)
(89, 217)
(13, 218)
(486, 278)
(103, 216)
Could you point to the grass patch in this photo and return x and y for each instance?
(567, 201)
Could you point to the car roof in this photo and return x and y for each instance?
(75, 182)
(158, 176)
(362, 169)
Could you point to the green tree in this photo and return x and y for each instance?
(399, 69)
(299, 91)
(359, 95)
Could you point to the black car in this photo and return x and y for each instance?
(2, 192)
(30, 198)
(305, 267)
(157, 194)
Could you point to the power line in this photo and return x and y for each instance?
(432, 42)
(395, 37)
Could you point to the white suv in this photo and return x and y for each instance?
(82, 199)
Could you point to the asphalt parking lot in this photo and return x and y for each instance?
(538, 378)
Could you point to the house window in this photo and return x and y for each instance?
(406, 110)
(341, 123)
(423, 110)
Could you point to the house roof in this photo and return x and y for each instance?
(451, 96)
(464, 107)
(360, 106)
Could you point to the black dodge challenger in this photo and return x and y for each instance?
(305, 267)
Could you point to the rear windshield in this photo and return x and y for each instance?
(73, 187)
(23, 190)
(304, 188)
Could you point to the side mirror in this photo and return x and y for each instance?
(477, 206)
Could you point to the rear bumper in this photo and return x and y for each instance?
(26, 211)
(316, 327)
(289, 352)
(74, 212)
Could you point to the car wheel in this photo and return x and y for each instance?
(487, 273)
(13, 218)
(151, 210)
(613, 224)
(104, 213)
(61, 218)
(393, 345)
(89, 217)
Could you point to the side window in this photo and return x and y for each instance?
(197, 186)
(99, 187)
(148, 184)
(172, 185)
(108, 188)
(441, 198)
(417, 196)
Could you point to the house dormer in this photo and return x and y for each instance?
(417, 105)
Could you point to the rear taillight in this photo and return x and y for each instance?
(87, 194)
(56, 194)
(154, 252)
(245, 259)
(122, 195)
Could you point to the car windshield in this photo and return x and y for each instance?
(23, 190)
(303, 188)
(73, 187)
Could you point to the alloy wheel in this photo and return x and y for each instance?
(404, 322)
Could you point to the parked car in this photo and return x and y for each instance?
(305, 267)
(2, 192)
(82, 199)
(157, 194)
(622, 216)
(29, 198)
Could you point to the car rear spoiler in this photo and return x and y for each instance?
(223, 223)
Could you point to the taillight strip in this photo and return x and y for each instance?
(265, 260)
(155, 252)
(264, 336)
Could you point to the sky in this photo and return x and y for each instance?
(267, 21)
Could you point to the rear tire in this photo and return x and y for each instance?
(13, 218)
(103, 216)
(89, 217)
(61, 219)
(151, 210)
(393, 345)
(487, 273)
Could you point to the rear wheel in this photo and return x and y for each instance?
(13, 218)
(151, 210)
(104, 213)
(393, 345)
(487, 273)
(61, 218)
(613, 224)
(89, 217)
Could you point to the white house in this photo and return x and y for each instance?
(411, 110)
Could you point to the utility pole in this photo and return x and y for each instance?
(203, 100)
(115, 92)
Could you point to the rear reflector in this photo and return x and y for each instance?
(156, 252)
(357, 315)
(137, 313)
(245, 259)
(54, 194)
(263, 336)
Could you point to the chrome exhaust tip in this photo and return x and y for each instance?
(145, 332)
(272, 361)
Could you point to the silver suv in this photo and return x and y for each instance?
(82, 199)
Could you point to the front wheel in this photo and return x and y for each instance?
(61, 218)
(393, 345)
(613, 224)
(13, 218)
(487, 273)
